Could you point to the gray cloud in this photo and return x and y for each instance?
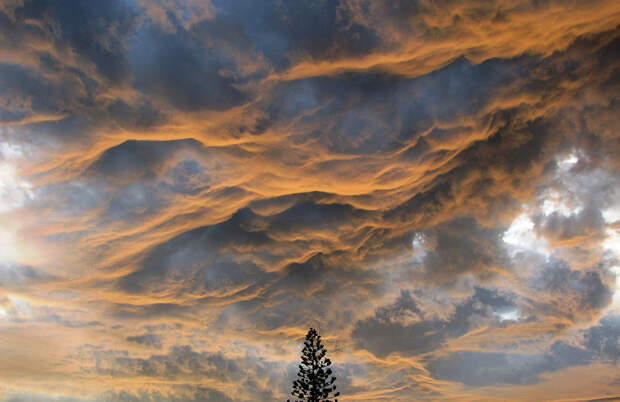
(141, 159)
(98, 34)
(12, 274)
(194, 368)
(402, 327)
(190, 394)
(463, 246)
(249, 169)
(180, 69)
(481, 368)
(207, 255)
(146, 339)
(567, 293)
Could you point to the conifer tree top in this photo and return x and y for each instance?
(315, 382)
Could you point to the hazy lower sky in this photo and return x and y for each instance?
(187, 186)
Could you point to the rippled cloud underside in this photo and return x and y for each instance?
(187, 186)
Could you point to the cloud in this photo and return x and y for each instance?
(200, 394)
(146, 339)
(567, 293)
(431, 184)
(195, 369)
(602, 339)
(99, 42)
(140, 158)
(12, 275)
(463, 246)
(205, 259)
(181, 70)
(404, 329)
(481, 368)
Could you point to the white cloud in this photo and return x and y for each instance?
(521, 236)
(508, 315)
(568, 161)
(14, 191)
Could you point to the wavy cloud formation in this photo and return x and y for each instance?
(187, 186)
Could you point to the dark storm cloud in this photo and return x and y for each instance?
(568, 293)
(303, 294)
(146, 339)
(133, 159)
(98, 34)
(205, 258)
(403, 328)
(242, 260)
(378, 112)
(26, 94)
(196, 395)
(463, 246)
(133, 180)
(137, 117)
(133, 201)
(180, 69)
(183, 394)
(284, 31)
(480, 368)
(175, 363)
(67, 63)
(585, 226)
(187, 177)
(194, 368)
(519, 145)
(603, 339)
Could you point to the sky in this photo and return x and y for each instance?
(187, 186)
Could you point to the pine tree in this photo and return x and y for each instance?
(316, 382)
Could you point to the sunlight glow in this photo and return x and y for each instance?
(21, 307)
(8, 246)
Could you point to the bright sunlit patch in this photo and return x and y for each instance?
(612, 214)
(522, 237)
(418, 241)
(555, 203)
(612, 244)
(20, 307)
(616, 297)
(15, 308)
(508, 315)
(419, 246)
(13, 191)
(8, 246)
(568, 162)
(11, 151)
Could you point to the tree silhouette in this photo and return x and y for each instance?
(315, 382)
